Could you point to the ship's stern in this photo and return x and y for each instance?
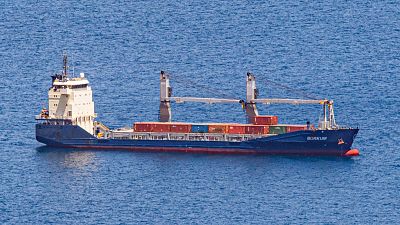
(61, 135)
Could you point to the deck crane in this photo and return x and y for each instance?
(165, 94)
(250, 105)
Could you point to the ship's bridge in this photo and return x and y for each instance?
(70, 101)
(75, 82)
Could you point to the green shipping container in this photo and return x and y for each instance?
(277, 129)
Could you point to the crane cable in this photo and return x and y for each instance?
(217, 92)
(190, 83)
(300, 92)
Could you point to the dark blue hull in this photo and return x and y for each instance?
(308, 142)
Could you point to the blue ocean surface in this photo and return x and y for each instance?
(348, 51)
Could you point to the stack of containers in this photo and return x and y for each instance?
(221, 128)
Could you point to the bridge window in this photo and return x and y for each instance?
(79, 86)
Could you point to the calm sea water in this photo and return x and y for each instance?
(348, 51)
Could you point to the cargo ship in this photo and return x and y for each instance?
(70, 121)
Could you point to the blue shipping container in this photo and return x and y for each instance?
(199, 128)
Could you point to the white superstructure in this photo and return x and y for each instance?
(70, 99)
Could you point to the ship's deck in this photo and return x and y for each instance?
(130, 134)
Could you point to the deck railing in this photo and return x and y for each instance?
(131, 135)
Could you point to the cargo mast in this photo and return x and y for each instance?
(65, 66)
(251, 95)
(165, 94)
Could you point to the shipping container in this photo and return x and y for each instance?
(161, 127)
(142, 127)
(181, 127)
(264, 120)
(152, 127)
(293, 128)
(277, 129)
(256, 129)
(199, 128)
(236, 129)
(217, 128)
(266, 129)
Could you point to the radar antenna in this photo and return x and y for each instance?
(65, 66)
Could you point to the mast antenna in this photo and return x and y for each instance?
(65, 66)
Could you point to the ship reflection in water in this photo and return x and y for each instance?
(83, 162)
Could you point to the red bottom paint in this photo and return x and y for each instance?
(352, 152)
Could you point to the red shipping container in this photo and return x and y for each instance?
(217, 128)
(293, 128)
(152, 127)
(256, 129)
(266, 129)
(181, 127)
(142, 127)
(264, 120)
(161, 127)
(236, 129)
